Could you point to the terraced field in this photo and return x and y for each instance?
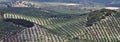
(65, 28)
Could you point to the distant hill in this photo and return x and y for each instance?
(83, 2)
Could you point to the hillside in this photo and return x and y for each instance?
(52, 26)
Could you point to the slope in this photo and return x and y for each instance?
(66, 28)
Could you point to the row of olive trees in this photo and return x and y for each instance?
(97, 15)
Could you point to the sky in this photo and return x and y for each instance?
(98, 1)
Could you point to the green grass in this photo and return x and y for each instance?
(72, 11)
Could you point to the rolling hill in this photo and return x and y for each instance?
(52, 26)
